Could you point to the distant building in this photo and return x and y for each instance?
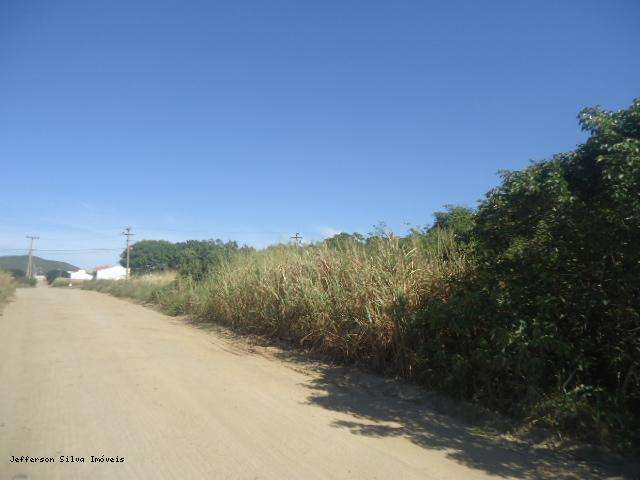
(111, 273)
(80, 275)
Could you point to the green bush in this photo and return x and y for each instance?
(53, 274)
(547, 324)
(559, 247)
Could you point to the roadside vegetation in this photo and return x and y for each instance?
(65, 282)
(7, 287)
(55, 274)
(146, 288)
(20, 278)
(528, 305)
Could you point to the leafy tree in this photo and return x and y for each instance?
(151, 255)
(198, 257)
(344, 240)
(459, 219)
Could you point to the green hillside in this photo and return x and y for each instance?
(42, 265)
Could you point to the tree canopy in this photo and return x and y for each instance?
(151, 255)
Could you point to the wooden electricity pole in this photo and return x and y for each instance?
(296, 239)
(30, 263)
(127, 233)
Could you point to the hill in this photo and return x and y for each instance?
(41, 265)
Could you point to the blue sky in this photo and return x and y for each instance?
(253, 120)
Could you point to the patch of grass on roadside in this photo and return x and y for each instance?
(66, 282)
(7, 287)
(27, 283)
(20, 278)
(149, 288)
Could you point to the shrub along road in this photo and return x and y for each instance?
(84, 374)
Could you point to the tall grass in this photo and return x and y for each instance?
(354, 303)
(7, 287)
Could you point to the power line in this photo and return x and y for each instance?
(296, 238)
(210, 233)
(81, 250)
(74, 250)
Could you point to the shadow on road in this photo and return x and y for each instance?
(381, 407)
(375, 406)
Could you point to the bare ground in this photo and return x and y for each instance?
(82, 374)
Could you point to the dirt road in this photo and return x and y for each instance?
(83, 374)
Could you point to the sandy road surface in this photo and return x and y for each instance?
(82, 374)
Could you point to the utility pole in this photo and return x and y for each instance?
(30, 263)
(127, 233)
(296, 239)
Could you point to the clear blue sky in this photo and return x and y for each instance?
(253, 120)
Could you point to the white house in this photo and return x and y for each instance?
(111, 273)
(80, 275)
